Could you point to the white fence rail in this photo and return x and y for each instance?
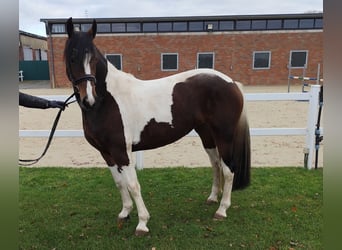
(309, 131)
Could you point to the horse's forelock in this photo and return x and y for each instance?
(77, 47)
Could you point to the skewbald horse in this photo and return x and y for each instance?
(122, 114)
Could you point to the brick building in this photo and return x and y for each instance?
(32, 47)
(253, 49)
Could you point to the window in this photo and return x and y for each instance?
(169, 61)
(43, 55)
(28, 56)
(103, 27)
(274, 24)
(205, 60)
(226, 25)
(58, 28)
(291, 24)
(165, 26)
(149, 27)
(85, 26)
(133, 27)
(298, 58)
(243, 25)
(319, 23)
(196, 26)
(180, 26)
(261, 59)
(115, 59)
(306, 23)
(214, 24)
(258, 24)
(118, 27)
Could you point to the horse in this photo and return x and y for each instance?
(122, 114)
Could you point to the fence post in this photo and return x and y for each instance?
(139, 158)
(311, 126)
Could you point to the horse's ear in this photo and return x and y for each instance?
(92, 30)
(70, 27)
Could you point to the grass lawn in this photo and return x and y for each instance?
(67, 208)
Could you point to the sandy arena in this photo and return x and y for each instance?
(188, 151)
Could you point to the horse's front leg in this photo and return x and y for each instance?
(127, 203)
(128, 184)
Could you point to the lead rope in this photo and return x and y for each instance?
(26, 162)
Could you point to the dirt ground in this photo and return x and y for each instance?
(188, 151)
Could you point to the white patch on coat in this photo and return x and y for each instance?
(140, 101)
(87, 71)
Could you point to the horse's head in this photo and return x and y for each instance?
(81, 59)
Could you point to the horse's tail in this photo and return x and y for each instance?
(242, 153)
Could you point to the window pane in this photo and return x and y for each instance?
(149, 27)
(118, 27)
(298, 59)
(274, 24)
(167, 26)
(319, 23)
(243, 25)
(205, 60)
(261, 60)
(103, 27)
(180, 26)
(306, 23)
(169, 61)
(195, 26)
(226, 25)
(58, 28)
(258, 24)
(133, 27)
(115, 60)
(291, 24)
(85, 26)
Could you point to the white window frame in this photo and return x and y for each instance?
(115, 54)
(203, 53)
(162, 61)
(269, 59)
(306, 59)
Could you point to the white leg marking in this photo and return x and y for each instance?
(86, 64)
(129, 186)
(216, 165)
(227, 191)
(127, 203)
(134, 189)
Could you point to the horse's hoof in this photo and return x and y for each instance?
(211, 202)
(122, 221)
(140, 233)
(219, 217)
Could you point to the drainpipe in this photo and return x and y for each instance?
(52, 61)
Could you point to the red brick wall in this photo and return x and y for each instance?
(233, 53)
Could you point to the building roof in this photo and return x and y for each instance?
(24, 33)
(191, 23)
(187, 18)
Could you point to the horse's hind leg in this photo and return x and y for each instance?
(214, 157)
(224, 145)
(216, 165)
(227, 190)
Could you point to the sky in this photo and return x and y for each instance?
(30, 12)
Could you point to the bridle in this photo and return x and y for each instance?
(87, 77)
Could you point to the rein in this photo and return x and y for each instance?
(26, 162)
